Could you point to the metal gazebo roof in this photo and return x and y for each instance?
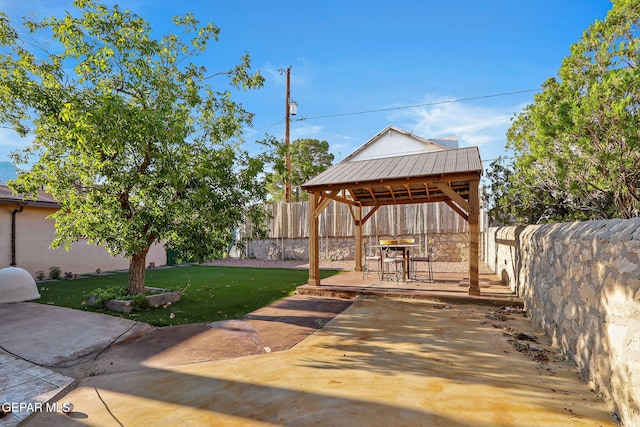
(402, 179)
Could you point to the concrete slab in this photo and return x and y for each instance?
(381, 362)
(54, 336)
(276, 327)
(38, 338)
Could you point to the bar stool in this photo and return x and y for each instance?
(370, 259)
(406, 253)
(425, 259)
(389, 256)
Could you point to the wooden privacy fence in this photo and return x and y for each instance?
(291, 220)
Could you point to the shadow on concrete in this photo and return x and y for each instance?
(381, 362)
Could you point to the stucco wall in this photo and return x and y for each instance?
(34, 234)
(581, 283)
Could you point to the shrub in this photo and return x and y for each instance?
(101, 296)
(140, 302)
(113, 292)
(55, 273)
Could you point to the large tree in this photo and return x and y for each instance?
(309, 157)
(128, 134)
(578, 145)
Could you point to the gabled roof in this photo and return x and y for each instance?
(400, 148)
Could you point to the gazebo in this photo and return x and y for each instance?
(445, 175)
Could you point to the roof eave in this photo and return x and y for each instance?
(458, 176)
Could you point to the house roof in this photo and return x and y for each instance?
(426, 144)
(413, 178)
(43, 200)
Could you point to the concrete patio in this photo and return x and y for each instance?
(381, 362)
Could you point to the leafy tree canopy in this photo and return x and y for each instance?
(129, 136)
(577, 146)
(308, 157)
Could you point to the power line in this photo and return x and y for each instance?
(501, 157)
(270, 126)
(417, 105)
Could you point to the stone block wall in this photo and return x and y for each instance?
(450, 247)
(330, 248)
(581, 283)
(447, 247)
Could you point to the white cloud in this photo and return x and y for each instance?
(305, 130)
(472, 124)
(10, 138)
(272, 74)
(11, 141)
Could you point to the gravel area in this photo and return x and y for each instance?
(348, 265)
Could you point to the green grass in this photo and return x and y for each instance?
(207, 293)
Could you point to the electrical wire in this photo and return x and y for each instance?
(269, 126)
(501, 157)
(418, 105)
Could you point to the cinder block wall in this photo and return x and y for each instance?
(581, 283)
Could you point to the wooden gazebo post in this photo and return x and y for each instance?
(474, 238)
(314, 258)
(358, 226)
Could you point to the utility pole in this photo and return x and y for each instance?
(287, 156)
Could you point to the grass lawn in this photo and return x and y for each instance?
(207, 293)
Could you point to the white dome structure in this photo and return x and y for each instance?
(16, 285)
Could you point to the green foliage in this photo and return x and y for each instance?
(577, 145)
(103, 295)
(40, 275)
(140, 302)
(207, 294)
(496, 195)
(55, 273)
(308, 157)
(129, 136)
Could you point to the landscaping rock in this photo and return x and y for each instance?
(164, 298)
(127, 306)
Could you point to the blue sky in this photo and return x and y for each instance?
(357, 56)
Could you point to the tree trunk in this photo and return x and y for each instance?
(136, 272)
